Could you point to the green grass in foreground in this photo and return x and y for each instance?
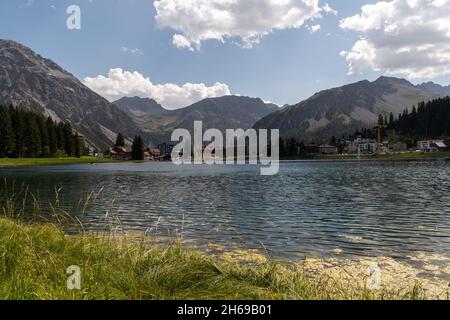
(34, 260)
(19, 162)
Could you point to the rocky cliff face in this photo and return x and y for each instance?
(40, 85)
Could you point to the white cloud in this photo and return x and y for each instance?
(181, 42)
(401, 37)
(119, 83)
(133, 51)
(329, 9)
(314, 28)
(248, 20)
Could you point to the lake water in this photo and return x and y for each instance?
(393, 209)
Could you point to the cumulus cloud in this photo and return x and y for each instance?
(248, 20)
(401, 37)
(119, 83)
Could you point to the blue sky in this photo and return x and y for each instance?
(287, 65)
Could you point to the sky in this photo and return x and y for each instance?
(282, 51)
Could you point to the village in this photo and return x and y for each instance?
(124, 153)
(371, 146)
(358, 146)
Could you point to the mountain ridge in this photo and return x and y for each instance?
(226, 112)
(40, 85)
(341, 110)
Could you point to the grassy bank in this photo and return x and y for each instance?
(34, 260)
(20, 162)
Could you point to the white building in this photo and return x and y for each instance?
(361, 146)
(366, 145)
(431, 145)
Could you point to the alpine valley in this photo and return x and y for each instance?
(38, 84)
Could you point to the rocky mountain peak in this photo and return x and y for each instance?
(42, 86)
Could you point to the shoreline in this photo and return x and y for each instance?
(6, 163)
(11, 163)
(125, 267)
(407, 156)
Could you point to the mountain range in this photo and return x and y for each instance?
(340, 111)
(227, 112)
(38, 84)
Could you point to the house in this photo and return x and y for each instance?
(431, 145)
(367, 146)
(119, 154)
(360, 145)
(328, 149)
(151, 154)
(441, 146)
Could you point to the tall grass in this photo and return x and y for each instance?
(34, 259)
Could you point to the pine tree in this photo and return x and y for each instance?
(428, 120)
(79, 148)
(18, 123)
(60, 136)
(391, 119)
(52, 140)
(380, 120)
(26, 134)
(120, 141)
(137, 149)
(32, 142)
(68, 139)
(45, 147)
(7, 143)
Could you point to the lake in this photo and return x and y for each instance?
(354, 208)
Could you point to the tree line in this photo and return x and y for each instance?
(429, 120)
(29, 135)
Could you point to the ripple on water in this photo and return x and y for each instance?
(310, 208)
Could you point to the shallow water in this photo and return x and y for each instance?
(322, 209)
